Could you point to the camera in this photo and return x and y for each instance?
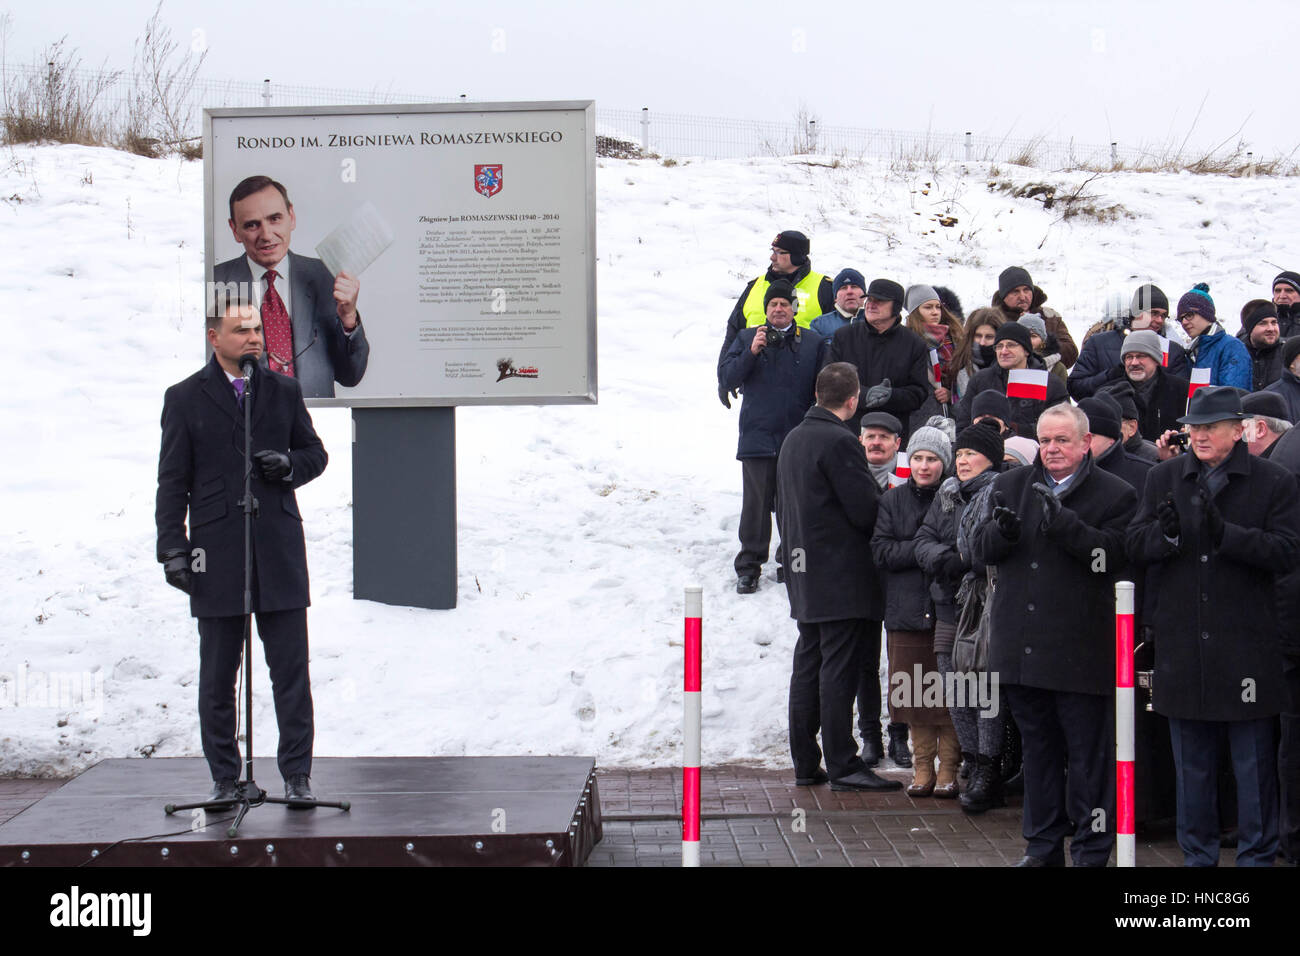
(1179, 440)
(776, 337)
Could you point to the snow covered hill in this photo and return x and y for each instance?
(579, 526)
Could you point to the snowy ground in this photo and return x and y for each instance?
(579, 526)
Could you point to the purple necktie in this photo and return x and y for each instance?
(239, 391)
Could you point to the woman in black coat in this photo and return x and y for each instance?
(976, 453)
(909, 615)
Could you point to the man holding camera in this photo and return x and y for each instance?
(777, 364)
(1220, 526)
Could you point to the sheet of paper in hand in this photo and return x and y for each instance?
(356, 243)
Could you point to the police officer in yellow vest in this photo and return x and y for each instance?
(789, 262)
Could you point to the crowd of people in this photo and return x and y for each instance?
(974, 486)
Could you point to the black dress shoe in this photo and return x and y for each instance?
(747, 584)
(898, 751)
(865, 780)
(298, 788)
(1034, 861)
(224, 795)
(818, 777)
(873, 750)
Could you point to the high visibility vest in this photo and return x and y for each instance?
(805, 291)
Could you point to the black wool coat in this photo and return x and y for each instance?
(1215, 620)
(1053, 610)
(1167, 403)
(1119, 462)
(936, 541)
(897, 354)
(826, 505)
(907, 597)
(201, 472)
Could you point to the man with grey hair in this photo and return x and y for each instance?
(1267, 423)
(1101, 361)
(1056, 541)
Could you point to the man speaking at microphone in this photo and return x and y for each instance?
(201, 471)
(312, 327)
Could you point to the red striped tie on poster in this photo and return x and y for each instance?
(691, 728)
(1027, 383)
(1125, 812)
(1200, 378)
(1164, 350)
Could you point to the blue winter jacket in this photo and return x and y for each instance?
(1224, 355)
(779, 387)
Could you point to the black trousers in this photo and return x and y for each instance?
(757, 502)
(221, 645)
(1253, 745)
(1068, 741)
(827, 662)
(869, 686)
(1288, 765)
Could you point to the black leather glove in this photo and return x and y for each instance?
(1213, 519)
(176, 566)
(1167, 514)
(1008, 521)
(877, 395)
(1051, 504)
(954, 566)
(273, 465)
(722, 395)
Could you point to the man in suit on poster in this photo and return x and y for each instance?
(201, 471)
(312, 326)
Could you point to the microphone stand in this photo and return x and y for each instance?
(249, 793)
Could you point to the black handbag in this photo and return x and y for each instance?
(970, 648)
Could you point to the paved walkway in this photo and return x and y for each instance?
(754, 817)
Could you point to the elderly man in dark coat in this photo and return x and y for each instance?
(1221, 525)
(1056, 539)
(826, 506)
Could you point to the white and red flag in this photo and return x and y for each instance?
(1200, 379)
(1027, 383)
(935, 367)
(1164, 350)
(903, 466)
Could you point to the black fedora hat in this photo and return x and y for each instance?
(1213, 404)
(1271, 404)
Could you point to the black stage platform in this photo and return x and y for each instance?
(406, 811)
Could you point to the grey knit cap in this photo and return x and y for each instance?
(937, 436)
(917, 294)
(1144, 341)
(1034, 322)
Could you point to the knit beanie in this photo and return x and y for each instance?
(780, 289)
(1197, 299)
(848, 277)
(1103, 416)
(1148, 297)
(1015, 332)
(918, 294)
(1013, 278)
(1254, 312)
(795, 243)
(990, 402)
(934, 436)
(1124, 393)
(1290, 350)
(1034, 322)
(1289, 278)
(1023, 449)
(983, 438)
(1145, 342)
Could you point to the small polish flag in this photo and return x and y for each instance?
(1200, 379)
(1027, 383)
(896, 480)
(903, 466)
(1164, 350)
(934, 365)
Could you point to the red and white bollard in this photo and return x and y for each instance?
(691, 729)
(1125, 813)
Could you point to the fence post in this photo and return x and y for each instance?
(1114, 154)
(691, 729)
(1125, 812)
(645, 129)
(812, 136)
(969, 146)
(266, 92)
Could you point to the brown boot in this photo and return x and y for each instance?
(945, 787)
(925, 744)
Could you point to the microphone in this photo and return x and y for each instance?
(246, 365)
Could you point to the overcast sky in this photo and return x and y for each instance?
(1097, 71)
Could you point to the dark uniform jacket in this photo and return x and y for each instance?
(897, 354)
(826, 509)
(201, 471)
(907, 598)
(1215, 621)
(1053, 609)
(778, 384)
